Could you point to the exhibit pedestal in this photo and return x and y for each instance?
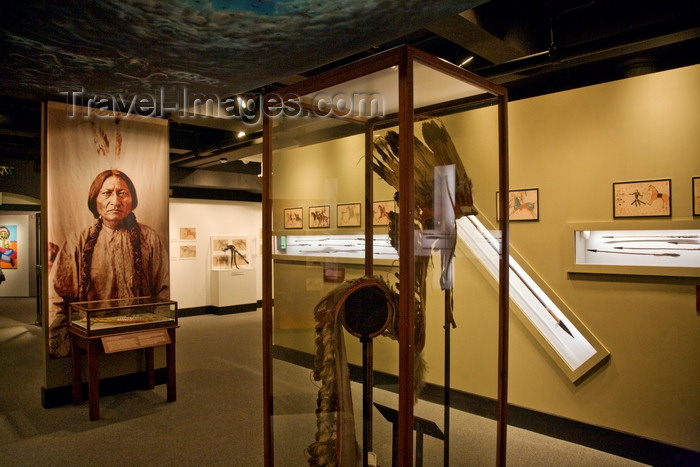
(234, 290)
(120, 325)
(119, 342)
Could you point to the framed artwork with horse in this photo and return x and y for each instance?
(523, 205)
(319, 217)
(293, 218)
(646, 198)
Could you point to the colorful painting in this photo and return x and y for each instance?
(8, 246)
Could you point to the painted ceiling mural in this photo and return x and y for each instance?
(215, 46)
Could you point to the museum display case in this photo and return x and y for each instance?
(104, 317)
(641, 248)
(120, 325)
(359, 236)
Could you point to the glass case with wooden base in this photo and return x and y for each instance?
(358, 243)
(103, 317)
(119, 325)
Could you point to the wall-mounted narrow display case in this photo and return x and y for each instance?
(571, 345)
(669, 248)
(335, 246)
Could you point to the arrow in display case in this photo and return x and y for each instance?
(654, 248)
(593, 250)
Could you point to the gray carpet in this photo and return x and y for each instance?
(217, 418)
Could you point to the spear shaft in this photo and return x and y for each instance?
(633, 253)
(651, 236)
(654, 248)
(522, 279)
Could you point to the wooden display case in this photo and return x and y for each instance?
(120, 325)
(306, 231)
(104, 317)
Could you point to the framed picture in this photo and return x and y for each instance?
(523, 205)
(8, 246)
(319, 217)
(645, 198)
(188, 251)
(188, 233)
(696, 196)
(381, 210)
(293, 218)
(349, 215)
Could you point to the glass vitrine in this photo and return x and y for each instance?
(104, 317)
(363, 188)
(669, 249)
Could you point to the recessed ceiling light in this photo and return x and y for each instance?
(466, 61)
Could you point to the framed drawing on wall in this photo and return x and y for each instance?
(319, 217)
(381, 210)
(523, 205)
(349, 214)
(293, 218)
(188, 233)
(646, 198)
(188, 251)
(696, 196)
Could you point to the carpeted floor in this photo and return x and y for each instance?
(217, 418)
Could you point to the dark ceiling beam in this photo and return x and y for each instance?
(463, 31)
(231, 152)
(586, 53)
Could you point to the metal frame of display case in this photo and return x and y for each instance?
(403, 58)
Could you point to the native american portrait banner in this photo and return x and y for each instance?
(106, 198)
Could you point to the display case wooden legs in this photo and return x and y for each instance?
(92, 346)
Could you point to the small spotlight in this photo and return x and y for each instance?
(241, 134)
(223, 160)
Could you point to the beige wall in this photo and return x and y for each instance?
(572, 146)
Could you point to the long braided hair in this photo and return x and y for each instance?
(139, 286)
